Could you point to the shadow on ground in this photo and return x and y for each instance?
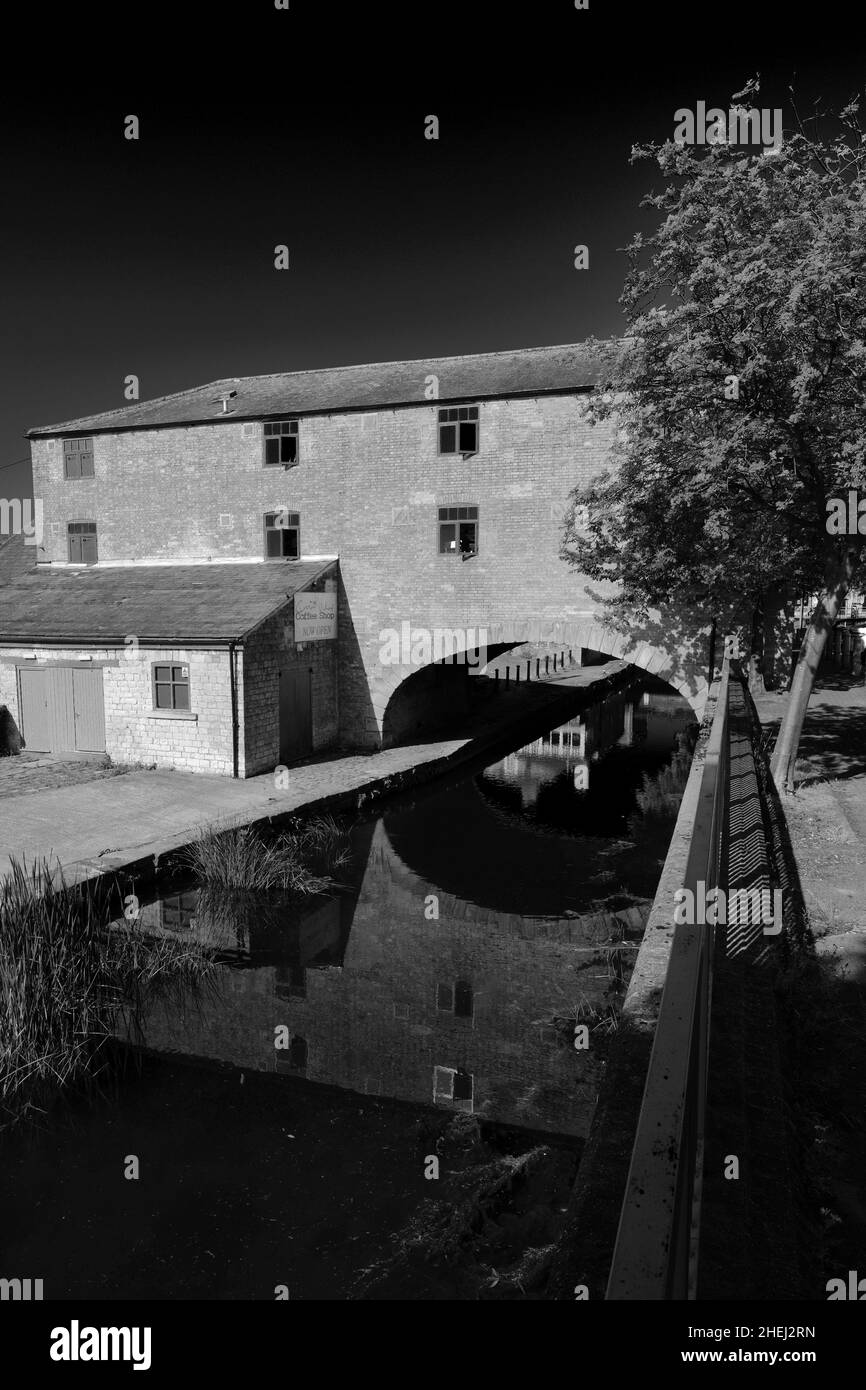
(834, 734)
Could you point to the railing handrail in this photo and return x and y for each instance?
(655, 1252)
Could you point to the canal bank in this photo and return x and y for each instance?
(781, 1058)
(431, 1006)
(129, 826)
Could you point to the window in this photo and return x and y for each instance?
(455, 999)
(462, 1085)
(458, 429)
(78, 458)
(444, 998)
(454, 1085)
(298, 1054)
(443, 1083)
(170, 687)
(458, 530)
(281, 443)
(178, 911)
(463, 998)
(290, 982)
(282, 535)
(82, 542)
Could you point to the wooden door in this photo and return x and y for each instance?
(35, 721)
(296, 714)
(88, 710)
(61, 709)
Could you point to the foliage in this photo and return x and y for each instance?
(755, 272)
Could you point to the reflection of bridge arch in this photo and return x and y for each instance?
(473, 839)
(386, 681)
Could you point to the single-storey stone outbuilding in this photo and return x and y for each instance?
(186, 666)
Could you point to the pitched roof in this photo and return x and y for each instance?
(163, 603)
(518, 371)
(16, 556)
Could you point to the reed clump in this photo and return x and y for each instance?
(302, 860)
(71, 985)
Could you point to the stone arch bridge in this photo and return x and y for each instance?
(409, 678)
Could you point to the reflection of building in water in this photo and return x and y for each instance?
(577, 743)
(656, 713)
(270, 926)
(451, 982)
(456, 1011)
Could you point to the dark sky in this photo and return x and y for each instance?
(306, 127)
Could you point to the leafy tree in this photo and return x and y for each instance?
(738, 393)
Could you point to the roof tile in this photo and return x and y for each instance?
(519, 371)
(164, 603)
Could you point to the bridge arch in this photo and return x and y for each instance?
(387, 679)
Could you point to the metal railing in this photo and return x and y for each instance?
(655, 1256)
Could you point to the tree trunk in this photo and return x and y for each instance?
(811, 652)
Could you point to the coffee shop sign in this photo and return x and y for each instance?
(315, 617)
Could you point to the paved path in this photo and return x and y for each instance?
(106, 824)
(131, 815)
(127, 816)
(30, 772)
(826, 819)
(827, 815)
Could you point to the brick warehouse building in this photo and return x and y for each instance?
(160, 619)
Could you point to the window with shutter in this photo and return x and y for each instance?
(78, 457)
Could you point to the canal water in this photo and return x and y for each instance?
(282, 1120)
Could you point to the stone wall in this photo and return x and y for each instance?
(368, 487)
(268, 651)
(198, 741)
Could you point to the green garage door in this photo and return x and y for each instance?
(62, 709)
(35, 721)
(88, 709)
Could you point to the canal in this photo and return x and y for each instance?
(383, 1091)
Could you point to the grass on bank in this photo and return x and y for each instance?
(70, 986)
(302, 860)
